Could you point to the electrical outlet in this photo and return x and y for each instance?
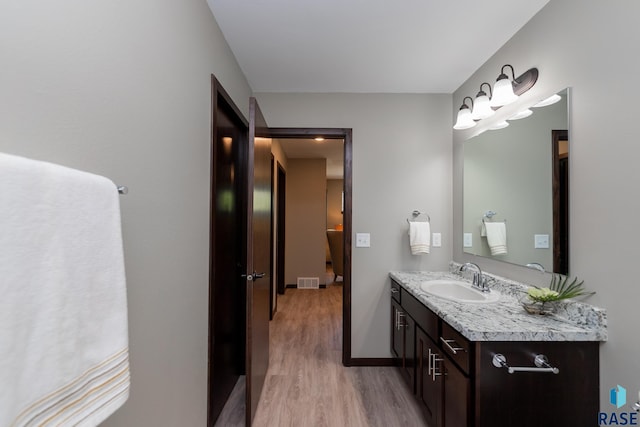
(541, 241)
(363, 240)
(436, 240)
(467, 241)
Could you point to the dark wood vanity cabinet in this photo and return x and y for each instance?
(457, 385)
(403, 340)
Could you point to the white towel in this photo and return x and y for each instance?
(497, 237)
(63, 310)
(419, 237)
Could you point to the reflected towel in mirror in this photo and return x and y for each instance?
(497, 237)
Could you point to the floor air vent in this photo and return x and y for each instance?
(308, 282)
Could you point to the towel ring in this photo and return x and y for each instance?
(484, 221)
(415, 214)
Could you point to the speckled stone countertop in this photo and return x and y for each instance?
(506, 320)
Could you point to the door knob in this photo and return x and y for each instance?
(252, 276)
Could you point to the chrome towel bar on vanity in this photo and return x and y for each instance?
(541, 362)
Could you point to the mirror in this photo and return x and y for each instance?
(515, 190)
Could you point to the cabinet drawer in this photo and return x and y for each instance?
(424, 317)
(456, 346)
(395, 291)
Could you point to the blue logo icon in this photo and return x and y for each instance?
(618, 396)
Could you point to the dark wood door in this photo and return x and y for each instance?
(258, 257)
(397, 333)
(227, 252)
(456, 400)
(428, 382)
(409, 359)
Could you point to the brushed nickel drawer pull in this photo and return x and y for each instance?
(448, 343)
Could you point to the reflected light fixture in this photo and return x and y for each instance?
(500, 125)
(521, 115)
(548, 101)
(318, 139)
(481, 106)
(506, 91)
(464, 120)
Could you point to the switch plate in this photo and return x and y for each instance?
(541, 241)
(436, 240)
(363, 240)
(467, 241)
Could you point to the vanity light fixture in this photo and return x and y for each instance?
(548, 101)
(506, 91)
(481, 107)
(464, 120)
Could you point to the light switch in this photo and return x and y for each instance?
(541, 241)
(363, 240)
(467, 240)
(436, 240)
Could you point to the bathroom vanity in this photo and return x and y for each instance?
(492, 364)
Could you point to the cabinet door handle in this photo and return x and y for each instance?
(434, 371)
(400, 320)
(453, 349)
(429, 367)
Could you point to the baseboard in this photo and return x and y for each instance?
(371, 361)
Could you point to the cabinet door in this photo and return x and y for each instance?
(397, 333)
(428, 381)
(409, 362)
(456, 395)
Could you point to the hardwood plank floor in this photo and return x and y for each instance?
(306, 384)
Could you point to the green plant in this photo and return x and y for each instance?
(558, 289)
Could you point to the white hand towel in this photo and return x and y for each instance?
(63, 310)
(497, 237)
(419, 237)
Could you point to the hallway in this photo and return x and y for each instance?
(306, 383)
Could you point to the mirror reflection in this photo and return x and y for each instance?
(516, 186)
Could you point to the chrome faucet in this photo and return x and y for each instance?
(536, 266)
(479, 281)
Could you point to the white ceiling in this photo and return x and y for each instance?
(375, 46)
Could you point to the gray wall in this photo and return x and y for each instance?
(305, 220)
(123, 89)
(401, 162)
(588, 46)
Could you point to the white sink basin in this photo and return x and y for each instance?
(459, 291)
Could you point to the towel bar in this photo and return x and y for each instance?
(541, 362)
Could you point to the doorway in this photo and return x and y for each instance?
(228, 231)
(560, 179)
(346, 135)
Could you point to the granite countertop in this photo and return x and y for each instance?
(506, 320)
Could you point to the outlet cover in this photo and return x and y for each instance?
(363, 240)
(436, 240)
(541, 241)
(467, 240)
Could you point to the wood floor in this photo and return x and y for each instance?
(307, 385)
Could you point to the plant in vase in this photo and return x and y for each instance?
(541, 300)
